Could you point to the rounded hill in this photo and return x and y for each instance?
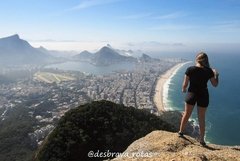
(99, 126)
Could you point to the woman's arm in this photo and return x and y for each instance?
(214, 80)
(185, 83)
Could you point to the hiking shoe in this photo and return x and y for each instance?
(203, 143)
(180, 134)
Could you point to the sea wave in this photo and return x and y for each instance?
(166, 88)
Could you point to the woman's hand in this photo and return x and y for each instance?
(214, 80)
(215, 72)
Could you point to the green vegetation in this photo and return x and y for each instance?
(15, 144)
(97, 126)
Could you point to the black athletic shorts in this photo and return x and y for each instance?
(201, 98)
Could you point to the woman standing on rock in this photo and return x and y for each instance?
(197, 92)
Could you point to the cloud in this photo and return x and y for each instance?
(91, 3)
(227, 26)
(172, 27)
(155, 46)
(171, 15)
(137, 16)
(50, 40)
(156, 43)
(151, 16)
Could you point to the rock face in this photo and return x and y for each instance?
(15, 51)
(163, 145)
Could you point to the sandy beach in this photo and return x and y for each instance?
(158, 97)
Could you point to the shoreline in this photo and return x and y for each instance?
(161, 86)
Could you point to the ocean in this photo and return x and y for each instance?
(223, 113)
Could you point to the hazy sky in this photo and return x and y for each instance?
(78, 24)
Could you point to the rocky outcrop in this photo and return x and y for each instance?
(163, 145)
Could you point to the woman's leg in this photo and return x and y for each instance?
(201, 120)
(186, 115)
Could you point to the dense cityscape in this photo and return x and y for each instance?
(47, 101)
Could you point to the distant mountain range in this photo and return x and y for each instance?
(108, 55)
(105, 56)
(16, 51)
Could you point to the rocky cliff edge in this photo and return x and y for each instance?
(163, 145)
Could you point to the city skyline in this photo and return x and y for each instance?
(154, 25)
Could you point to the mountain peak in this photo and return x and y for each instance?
(146, 56)
(14, 50)
(11, 38)
(84, 55)
(41, 47)
(106, 48)
(14, 37)
(108, 45)
(85, 52)
(107, 56)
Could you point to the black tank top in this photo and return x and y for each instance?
(198, 77)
